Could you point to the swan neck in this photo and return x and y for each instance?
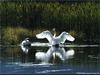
(54, 34)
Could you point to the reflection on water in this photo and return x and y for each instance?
(46, 59)
(25, 48)
(54, 52)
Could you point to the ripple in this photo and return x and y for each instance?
(87, 73)
(35, 65)
(49, 71)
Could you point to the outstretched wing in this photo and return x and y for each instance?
(45, 34)
(62, 37)
(65, 36)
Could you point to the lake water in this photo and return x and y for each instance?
(80, 59)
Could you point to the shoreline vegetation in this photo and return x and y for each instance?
(20, 20)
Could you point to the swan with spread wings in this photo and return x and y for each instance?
(53, 40)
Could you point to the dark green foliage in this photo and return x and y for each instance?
(81, 19)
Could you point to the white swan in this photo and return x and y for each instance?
(55, 40)
(54, 51)
(26, 42)
(25, 45)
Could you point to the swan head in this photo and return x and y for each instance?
(26, 42)
(43, 34)
(68, 36)
(26, 39)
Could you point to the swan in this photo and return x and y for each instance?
(54, 51)
(53, 40)
(25, 45)
(25, 49)
(26, 42)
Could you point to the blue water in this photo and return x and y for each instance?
(38, 69)
(14, 61)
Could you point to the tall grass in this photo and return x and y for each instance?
(22, 19)
(15, 35)
(49, 14)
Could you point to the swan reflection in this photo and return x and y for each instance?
(54, 52)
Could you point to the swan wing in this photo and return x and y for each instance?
(25, 49)
(45, 34)
(61, 38)
(65, 36)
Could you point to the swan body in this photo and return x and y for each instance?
(25, 49)
(53, 40)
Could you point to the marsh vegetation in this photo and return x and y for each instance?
(25, 19)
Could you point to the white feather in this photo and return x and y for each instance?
(55, 40)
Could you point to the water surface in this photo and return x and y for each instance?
(84, 60)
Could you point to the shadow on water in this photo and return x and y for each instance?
(48, 59)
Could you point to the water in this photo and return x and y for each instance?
(43, 59)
